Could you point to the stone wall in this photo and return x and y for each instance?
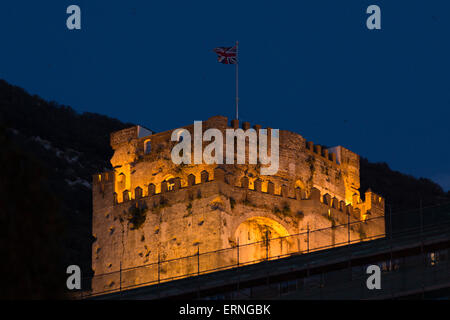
(208, 216)
(149, 210)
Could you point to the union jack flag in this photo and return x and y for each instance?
(226, 55)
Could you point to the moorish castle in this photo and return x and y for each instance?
(148, 209)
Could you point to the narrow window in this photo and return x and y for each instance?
(147, 146)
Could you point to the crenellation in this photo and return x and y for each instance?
(284, 191)
(245, 182)
(138, 193)
(245, 125)
(342, 206)
(318, 149)
(126, 196)
(177, 183)
(151, 189)
(315, 194)
(270, 188)
(327, 199)
(335, 203)
(204, 175)
(258, 185)
(191, 180)
(164, 187)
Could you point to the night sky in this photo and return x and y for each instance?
(307, 66)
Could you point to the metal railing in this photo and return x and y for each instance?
(267, 249)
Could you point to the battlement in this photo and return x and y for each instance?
(141, 147)
(170, 187)
(127, 135)
(302, 164)
(104, 177)
(318, 150)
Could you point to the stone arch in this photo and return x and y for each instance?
(299, 184)
(300, 190)
(262, 237)
(167, 177)
(147, 146)
(170, 182)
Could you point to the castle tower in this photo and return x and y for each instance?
(149, 210)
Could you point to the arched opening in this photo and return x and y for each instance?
(147, 146)
(170, 182)
(262, 238)
(300, 184)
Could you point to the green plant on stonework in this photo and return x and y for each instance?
(310, 161)
(276, 210)
(137, 216)
(163, 202)
(286, 208)
(189, 210)
(232, 203)
(217, 205)
(362, 233)
(246, 201)
(179, 168)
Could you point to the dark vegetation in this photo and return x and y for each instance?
(136, 216)
(46, 209)
(402, 192)
(46, 185)
(31, 228)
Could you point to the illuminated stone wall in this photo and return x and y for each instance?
(191, 208)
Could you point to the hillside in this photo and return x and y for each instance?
(401, 191)
(49, 154)
(67, 148)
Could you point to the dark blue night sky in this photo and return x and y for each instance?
(307, 66)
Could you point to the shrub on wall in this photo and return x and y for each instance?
(137, 216)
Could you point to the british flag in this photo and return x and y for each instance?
(226, 55)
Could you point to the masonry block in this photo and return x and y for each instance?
(270, 187)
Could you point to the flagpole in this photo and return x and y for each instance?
(237, 80)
